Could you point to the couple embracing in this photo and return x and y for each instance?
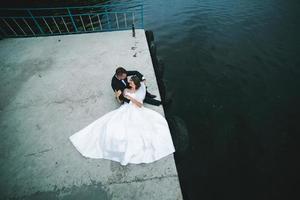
(131, 133)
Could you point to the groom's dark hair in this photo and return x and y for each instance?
(120, 71)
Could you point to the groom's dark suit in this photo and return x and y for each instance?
(117, 84)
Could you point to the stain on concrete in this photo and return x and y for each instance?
(13, 76)
(119, 172)
(38, 127)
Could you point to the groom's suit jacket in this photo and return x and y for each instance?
(117, 84)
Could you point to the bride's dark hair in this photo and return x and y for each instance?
(136, 81)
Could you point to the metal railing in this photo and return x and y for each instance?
(28, 22)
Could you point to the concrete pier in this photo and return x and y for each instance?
(51, 87)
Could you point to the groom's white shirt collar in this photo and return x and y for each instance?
(121, 80)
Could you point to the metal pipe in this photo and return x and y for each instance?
(82, 23)
(91, 23)
(117, 20)
(73, 22)
(35, 21)
(142, 15)
(47, 25)
(125, 20)
(56, 24)
(65, 24)
(107, 18)
(132, 17)
(28, 26)
(99, 22)
(19, 26)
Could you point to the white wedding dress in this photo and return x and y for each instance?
(128, 134)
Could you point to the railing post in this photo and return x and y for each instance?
(142, 17)
(73, 22)
(133, 30)
(36, 23)
(107, 18)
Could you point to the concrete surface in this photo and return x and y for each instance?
(51, 87)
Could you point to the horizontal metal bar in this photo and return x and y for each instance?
(76, 7)
(75, 15)
(79, 32)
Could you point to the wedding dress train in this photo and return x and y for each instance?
(128, 134)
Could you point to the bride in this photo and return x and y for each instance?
(129, 134)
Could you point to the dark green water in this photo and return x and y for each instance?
(233, 68)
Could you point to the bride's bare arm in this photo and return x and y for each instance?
(117, 94)
(136, 102)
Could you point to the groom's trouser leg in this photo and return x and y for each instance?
(152, 101)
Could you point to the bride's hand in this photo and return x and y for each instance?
(127, 96)
(118, 93)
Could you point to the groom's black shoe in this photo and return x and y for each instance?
(151, 101)
(152, 96)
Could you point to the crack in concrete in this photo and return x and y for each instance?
(83, 100)
(137, 180)
(38, 153)
(61, 101)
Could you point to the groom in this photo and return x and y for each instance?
(119, 83)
